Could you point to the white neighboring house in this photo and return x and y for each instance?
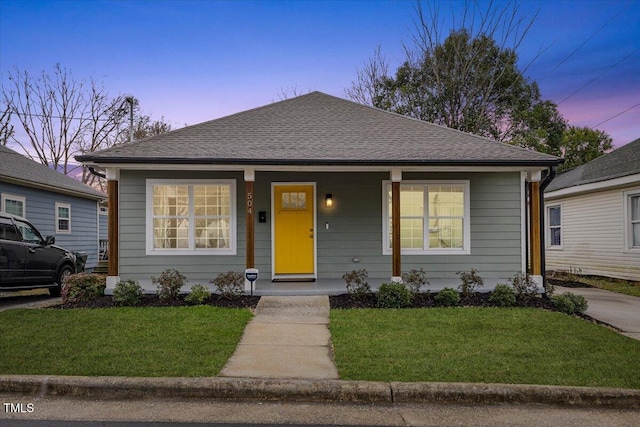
(592, 216)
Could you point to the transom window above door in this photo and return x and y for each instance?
(294, 200)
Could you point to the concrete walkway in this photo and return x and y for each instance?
(619, 310)
(288, 338)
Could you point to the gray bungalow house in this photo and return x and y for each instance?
(56, 204)
(309, 188)
(593, 216)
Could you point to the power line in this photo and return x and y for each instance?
(619, 114)
(599, 75)
(583, 43)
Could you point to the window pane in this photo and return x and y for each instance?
(446, 233)
(411, 234)
(212, 234)
(556, 239)
(63, 225)
(411, 201)
(446, 200)
(636, 235)
(171, 233)
(63, 212)
(635, 208)
(14, 207)
(170, 200)
(554, 216)
(211, 200)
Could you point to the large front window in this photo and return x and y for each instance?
(434, 217)
(196, 217)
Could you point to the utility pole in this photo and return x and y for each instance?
(129, 99)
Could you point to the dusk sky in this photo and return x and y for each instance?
(192, 61)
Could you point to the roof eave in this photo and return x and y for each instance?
(318, 162)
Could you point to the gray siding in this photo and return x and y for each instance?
(355, 226)
(40, 210)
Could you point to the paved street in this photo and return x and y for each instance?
(214, 411)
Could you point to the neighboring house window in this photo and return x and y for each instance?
(632, 210)
(63, 218)
(554, 217)
(434, 217)
(191, 217)
(14, 205)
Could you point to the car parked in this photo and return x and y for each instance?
(29, 261)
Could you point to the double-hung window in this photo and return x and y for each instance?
(554, 219)
(63, 218)
(434, 217)
(191, 217)
(14, 205)
(632, 219)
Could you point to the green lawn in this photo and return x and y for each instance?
(489, 345)
(614, 285)
(146, 342)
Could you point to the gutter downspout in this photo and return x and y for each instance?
(96, 173)
(551, 174)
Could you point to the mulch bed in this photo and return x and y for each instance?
(568, 283)
(425, 300)
(244, 301)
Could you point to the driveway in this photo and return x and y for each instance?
(27, 299)
(619, 310)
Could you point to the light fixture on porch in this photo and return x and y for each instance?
(328, 201)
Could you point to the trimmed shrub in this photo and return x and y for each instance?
(169, 284)
(503, 296)
(357, 284)
(394, 295)
(447, 298)
(83, 287)
(198, 295)
(471, 281)
(524, 287)
(230, 284)
(127, 293)
(415, 279)
(570, 303)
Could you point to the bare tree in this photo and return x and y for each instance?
(370, 81)
(6, 128)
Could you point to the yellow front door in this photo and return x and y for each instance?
(294, 234)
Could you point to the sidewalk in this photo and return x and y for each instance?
(618, 310)
(288, 338)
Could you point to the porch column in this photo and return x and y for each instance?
(113, 231)
(396, 177)
(249, 177)
(535, 226)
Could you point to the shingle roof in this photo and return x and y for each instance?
(316, 129)
(16, 167)
(621, 162)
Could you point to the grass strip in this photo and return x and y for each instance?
(487, 345)
(144, 342)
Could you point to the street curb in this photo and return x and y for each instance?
(113, 388)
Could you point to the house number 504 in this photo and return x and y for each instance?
(250, 203)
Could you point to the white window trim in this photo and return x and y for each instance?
(466, 221)
(150, 250)
(547, 222)
(13, 197)
(628, 230)
(62, 205)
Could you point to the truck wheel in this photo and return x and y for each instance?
(65, 272)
